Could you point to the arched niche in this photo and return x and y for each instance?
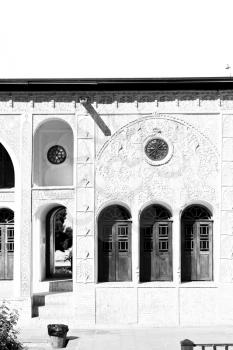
(53, 154)
(7, 174)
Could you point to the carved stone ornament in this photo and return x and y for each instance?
(123, 171)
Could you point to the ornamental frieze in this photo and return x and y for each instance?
(52, 194)
(70, 101)
(7, 196)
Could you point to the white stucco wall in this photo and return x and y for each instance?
(113, 169)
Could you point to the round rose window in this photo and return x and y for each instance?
(56, 154)
(156, 149)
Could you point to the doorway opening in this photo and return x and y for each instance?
(155, 244)
(114, 245)
(59, 243)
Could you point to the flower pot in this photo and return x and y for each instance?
(58, 342)
(57, 333)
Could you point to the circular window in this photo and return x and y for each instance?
(56, 154)
(157, 150)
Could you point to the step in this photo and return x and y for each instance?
(55, 298)
(61, 286)
(43, 300)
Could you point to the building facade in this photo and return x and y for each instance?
(116, 201)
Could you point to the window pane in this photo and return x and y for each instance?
(10, 239)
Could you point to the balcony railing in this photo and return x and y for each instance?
(189, 345)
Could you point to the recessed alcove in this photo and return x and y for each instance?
(53, 154)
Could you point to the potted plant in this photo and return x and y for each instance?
(57, 333)
(8, 333)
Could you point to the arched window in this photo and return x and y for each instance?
(155, 244)
(6, 244)
(7, 175)
(196, 244)
(114, 244)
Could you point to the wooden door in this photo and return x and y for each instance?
(156, 251)
(6, 252)
(107, 254)
(122, 233)
(196, 250)
(163, 251)
(204, 251)
(114, 252)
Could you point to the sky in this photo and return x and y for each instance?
(115, 38)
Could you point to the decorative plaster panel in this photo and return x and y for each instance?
(85, 199)
(227, 222)
(227, 198)
(85, 247)
(85, 175)
(49, 194)
(85, 223)
(227, 126)
(227, 246)
(227, 149)
(85, 151)
(227, 173)
(85, 127)
(226, 270)
(7, 196)
(190, 174)
(85, 270)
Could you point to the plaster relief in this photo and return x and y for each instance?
(190, 174)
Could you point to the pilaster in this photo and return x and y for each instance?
(85, 237)
(226, 241)
(25, 199)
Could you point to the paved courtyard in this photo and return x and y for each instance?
(131, 338)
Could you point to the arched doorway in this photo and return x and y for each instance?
(6, 244)
(59, 241)
(7, 175)
(114, 244)
(196, 244)
(155, 244)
